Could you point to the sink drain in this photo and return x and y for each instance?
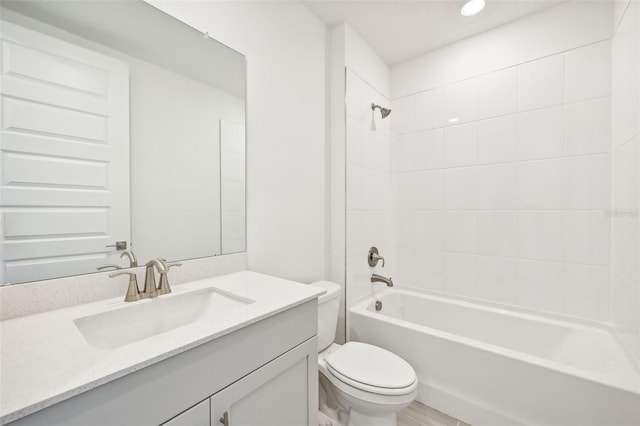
(378, 305)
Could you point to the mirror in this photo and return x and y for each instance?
(122, 128)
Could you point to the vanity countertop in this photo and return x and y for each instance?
(46, 359)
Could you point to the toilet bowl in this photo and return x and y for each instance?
(361, 384)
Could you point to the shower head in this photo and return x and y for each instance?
(383, 111)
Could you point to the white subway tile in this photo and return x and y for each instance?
(354, 142)
(625, 303)
(540, 285)
(358, 278)
(540, 83)
(497, 279)
(626, 176)
(624, 117)
(460, 231)
(402, 153)
(376, 225)
(588, 127)
(375, 150)
(626, 244)
(403, 268)
(357, 100)
(429, 113)
(588, 182)
(461, 188)
(402, 116)
(460, 274)
(497, 93)
(586, 291)
(354, 187)
(541, 134)
(540, 235)
(429, 190)
(461, 145)
(587, 237)
(461, 101)
(497, 187)
(540, 185)
(355, 232)
(429, 149)
(497, 139)
(429, 230)
(375, 190)
(429, 269)
(404, 228)
(588, 72)
(497, 233)
(402, 191)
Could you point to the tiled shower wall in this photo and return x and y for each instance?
(368, 179)
(501, 184)
(625, 213)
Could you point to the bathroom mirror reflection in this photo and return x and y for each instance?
(121, 126)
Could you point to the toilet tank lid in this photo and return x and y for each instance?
(333, 290)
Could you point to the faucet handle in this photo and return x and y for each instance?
(374, 257)
(102, 267)
(133, 292)
(163, 287)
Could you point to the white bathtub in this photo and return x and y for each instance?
(490, 366)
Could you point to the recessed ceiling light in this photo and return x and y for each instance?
(472, 7)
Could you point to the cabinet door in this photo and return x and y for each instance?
(198, 415)
(281, 393)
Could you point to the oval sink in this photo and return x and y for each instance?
(148, 318)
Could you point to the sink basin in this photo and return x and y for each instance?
(148, 318)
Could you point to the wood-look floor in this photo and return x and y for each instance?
(418, 414)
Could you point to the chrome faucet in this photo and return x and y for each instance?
(375, 278)
(150, 289)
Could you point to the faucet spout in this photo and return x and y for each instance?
(375, 278)
(133, 261)
(150, 289)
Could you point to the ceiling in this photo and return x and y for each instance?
(399, 30)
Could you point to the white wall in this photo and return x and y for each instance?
(508, 203)
(625, 213)
(285, 46)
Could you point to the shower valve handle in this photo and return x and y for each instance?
(374, 257)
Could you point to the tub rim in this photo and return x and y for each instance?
(362, 305)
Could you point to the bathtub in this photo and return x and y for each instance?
(487, 365)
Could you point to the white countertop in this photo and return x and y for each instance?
(45, 359)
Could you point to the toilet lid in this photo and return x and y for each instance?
(371, 366)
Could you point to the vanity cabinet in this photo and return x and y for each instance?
(263, 374)
(273, 395)
(194, 416)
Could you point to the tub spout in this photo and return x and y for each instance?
(375, 278)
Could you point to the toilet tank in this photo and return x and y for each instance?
(328, 305)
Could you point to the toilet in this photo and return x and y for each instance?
(360, 384)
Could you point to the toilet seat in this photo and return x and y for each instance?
(371, 369)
